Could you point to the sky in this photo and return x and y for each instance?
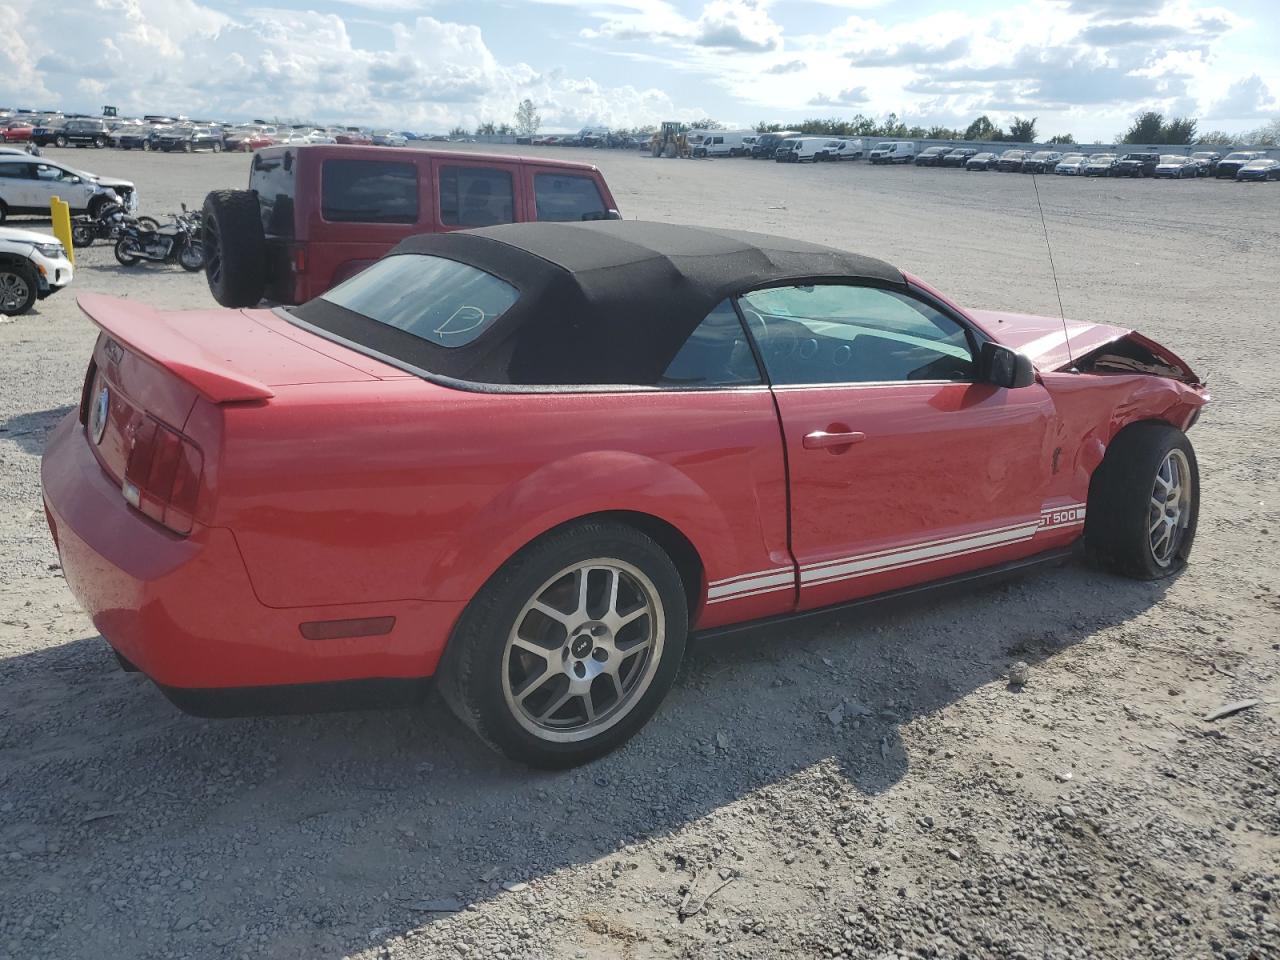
(1085, 67)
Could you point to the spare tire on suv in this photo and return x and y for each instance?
(235, 248)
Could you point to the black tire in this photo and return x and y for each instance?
(19, 281)
(82, 235)
(59, 141)
(100, 142)
(146, 146)
(147, 223)
(123, 249)
(4, 212)
(217, 147)
(94, 209)
(187, 146)
(471, 675)
(191, 259)
(1118, 520)
(235, 248)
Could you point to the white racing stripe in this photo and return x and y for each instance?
(895, 558)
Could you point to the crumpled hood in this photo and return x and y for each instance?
(1044, 339)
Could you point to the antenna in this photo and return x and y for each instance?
(1066, 334)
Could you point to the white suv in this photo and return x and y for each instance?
(32, 266)
(27, 184)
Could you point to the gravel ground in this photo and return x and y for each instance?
(863, 787)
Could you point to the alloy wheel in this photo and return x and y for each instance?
(13, 292)
(1170, 508)
(583, 650)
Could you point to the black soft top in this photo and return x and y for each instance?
(608, 302)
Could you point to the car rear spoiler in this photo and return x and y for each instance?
(146, 332)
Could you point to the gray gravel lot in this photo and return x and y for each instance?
(869, 786)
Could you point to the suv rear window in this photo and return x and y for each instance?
(444, 302)
(561, 197)
(476, 196)
(369, 191)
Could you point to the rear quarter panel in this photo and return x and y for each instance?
(407, 490)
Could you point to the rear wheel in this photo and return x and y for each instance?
(1144, 503)
(569, 648)
(82, 234)
(18, 288)
(235, 248)
(146, 145)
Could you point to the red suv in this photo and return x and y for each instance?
(315, 215)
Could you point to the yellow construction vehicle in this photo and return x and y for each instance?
(670, 140)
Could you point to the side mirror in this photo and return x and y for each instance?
(1006, 368)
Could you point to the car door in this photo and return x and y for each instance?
(17, 183)
(902, 467)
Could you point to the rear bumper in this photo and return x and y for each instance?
(182, 610)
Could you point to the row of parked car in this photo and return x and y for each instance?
(173, 135)
(1239, 165)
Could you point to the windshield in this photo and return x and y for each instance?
(1014, 154)
(1171, 158)
(1240, 156)
(444, 302)
(1202, 156)
(1072, 158)
(1103, 157)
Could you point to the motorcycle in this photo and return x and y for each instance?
(107, 225)
(179, 242)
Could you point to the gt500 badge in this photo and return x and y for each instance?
(1062, 517)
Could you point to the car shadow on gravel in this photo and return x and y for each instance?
(28, 430)
(319, 835)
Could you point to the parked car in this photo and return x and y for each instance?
(342, 499)
(16, 130)
(1136, 165)
(315, 215)
(32, 266)
(893, 151)
(767, 144)
(1042, 161)
(354, 138)
(931, 156)
(387, 138)
(1071, 165)
(1263, 168)
(250, 142)
(190, 139)
(1011, 161)
(1172, 166)
(958, 157)
(723, 143)
(1100, 165)
(1231, 164)
(1208, 161)
(83, 132)
(27, 184)
(145, 137)
(982, 161)
(49, 133)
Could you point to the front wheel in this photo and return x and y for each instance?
(127, 252)
(1144, 503)
(191, 257)
(18, 289)
(146, 146)
(570, 647)
(82, 235)
(59, 141)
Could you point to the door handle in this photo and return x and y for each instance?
(822, 440)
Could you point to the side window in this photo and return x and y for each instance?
(561, 197)
(849, 334)
(44, 172)
(15, 171)
(368, 191)
(476, 196)
(716, 354)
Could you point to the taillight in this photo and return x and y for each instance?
(299, 259)
(162, 476)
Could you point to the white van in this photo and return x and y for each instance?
(894, 151)
(842, 150)
(800, 149)
(721, 143)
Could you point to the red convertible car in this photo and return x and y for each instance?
(530, 459)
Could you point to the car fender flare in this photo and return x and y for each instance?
(584, 485)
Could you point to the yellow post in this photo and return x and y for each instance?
(60, 212)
